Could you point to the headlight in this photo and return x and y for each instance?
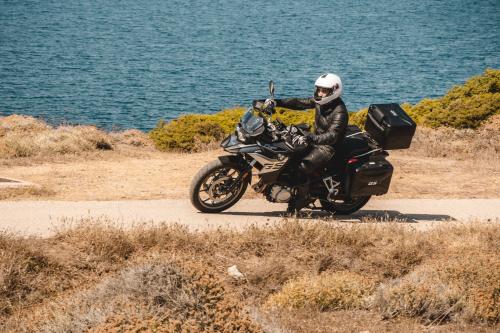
(239, 134)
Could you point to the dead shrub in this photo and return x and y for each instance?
(461, 144)
(269, 274)
(25, 191)
(327, 291)
(157, 295)
(22, 123)
(464, 287)
(399, 253)
(493, 123)
(61, 140)
(23, 136)
(27, 275)
(448, 273)
(103, 243)
(132, 137)
(420, 294)
(477, 275)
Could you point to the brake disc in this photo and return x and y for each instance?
(214, 191)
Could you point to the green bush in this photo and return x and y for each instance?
(358, 118)
(464, 106)
(184, 132)
(187, 132)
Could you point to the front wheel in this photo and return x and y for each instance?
(346, 206)
(218, 186)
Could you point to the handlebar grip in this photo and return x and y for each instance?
(258, 105)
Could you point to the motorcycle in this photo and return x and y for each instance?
(269, 148)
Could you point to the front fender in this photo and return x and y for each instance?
(241, 162)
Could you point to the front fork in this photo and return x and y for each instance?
(246, 168)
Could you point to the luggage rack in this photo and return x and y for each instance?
(370, 140)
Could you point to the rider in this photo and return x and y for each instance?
(330, 123)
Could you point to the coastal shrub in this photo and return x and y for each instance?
(154, 296)
(295, 117)
(468, 112)
(465, 285)
(422, 293)
(155, 277)
(464, 106)
(328, 291)
(187, 132)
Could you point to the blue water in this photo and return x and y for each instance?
(121, 64)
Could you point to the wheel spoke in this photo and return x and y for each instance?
(220, 187)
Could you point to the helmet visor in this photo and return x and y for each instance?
(321, 92)
(324, 91)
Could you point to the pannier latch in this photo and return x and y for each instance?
(331, 186)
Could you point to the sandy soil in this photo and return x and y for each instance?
(156, 175)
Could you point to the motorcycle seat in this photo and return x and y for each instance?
(352, 146)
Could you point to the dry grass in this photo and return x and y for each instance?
(74, 168)
(25, 192)
(28, 137)
(459, 144)
(105, 278)
(156, 295)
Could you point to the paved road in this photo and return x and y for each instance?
(40, 217)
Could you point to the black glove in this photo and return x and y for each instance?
(269, 103)
(264, 105)
(310, 138)
(258, 103)
(303, 140)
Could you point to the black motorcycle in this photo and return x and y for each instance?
(358, 170)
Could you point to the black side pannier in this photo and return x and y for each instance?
(390, 126)
(370, 178)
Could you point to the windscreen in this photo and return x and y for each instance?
(251, 123)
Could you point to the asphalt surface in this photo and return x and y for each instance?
(44, 217)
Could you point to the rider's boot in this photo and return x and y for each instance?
(300, 199)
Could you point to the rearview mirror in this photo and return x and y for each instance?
(271, 88)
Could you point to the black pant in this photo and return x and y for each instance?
(317, 157)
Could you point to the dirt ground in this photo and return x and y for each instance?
(115, 175)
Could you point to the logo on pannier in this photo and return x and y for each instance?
(372, 183)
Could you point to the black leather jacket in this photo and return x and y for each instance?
(330, 120)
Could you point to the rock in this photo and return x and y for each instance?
(235, 273)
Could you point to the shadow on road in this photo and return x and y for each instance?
(402, 217)
(360, 216)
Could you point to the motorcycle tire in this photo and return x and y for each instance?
(345, 208)
(203, 175)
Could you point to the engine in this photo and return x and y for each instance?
(278, 193)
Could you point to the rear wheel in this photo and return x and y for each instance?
(217, 186)
(344, 206)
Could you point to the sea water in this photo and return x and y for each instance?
(127, 64)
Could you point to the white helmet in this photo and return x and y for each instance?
(331, 82)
